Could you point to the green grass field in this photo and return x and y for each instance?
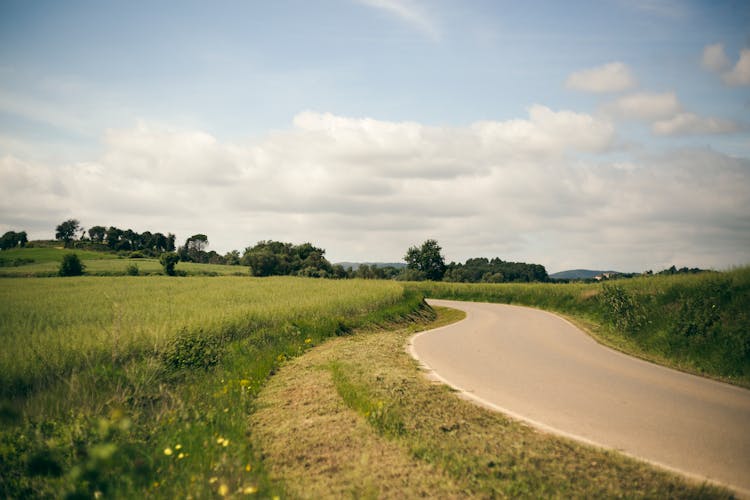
(138, 385)
(45, 262)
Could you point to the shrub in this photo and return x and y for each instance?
(192, 350)
(621, 309)
(169, 260)
(132, 270)
(71, 265)
(137, 255)
(411, 275)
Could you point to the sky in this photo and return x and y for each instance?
(603, 134)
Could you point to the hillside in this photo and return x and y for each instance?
(355, 265)
(578, 274)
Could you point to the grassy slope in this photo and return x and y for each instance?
(152, 379)
(696, 323)
(47, 262)
(355, 418)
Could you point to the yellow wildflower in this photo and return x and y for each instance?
(248, 468)
(223, 490)
(250, 490)
(167, 451)
(213, 480)
(178, 447)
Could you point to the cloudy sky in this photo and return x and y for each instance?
(605, 134)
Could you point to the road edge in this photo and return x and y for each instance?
(467, 395)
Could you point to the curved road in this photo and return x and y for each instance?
(540, 368)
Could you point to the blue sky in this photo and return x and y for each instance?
(607, 134)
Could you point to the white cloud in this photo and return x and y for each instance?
(647, 106)
(714, 58)
(409, 12)
(367, 189)
(666, 115)
(740, 73)
(690, 123)
(611, 77)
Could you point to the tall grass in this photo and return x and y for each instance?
(130, 386)
(50, 327)
(699, 323)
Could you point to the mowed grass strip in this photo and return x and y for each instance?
(355, 417)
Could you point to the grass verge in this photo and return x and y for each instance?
(354, 417)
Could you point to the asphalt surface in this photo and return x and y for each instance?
(540, 368)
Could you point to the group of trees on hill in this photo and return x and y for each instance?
(71, 233)
(12, 239)
(274, 258)
(482, 270)
(427, 262)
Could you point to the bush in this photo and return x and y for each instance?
(132, 270)
(622, 309)
(192, 350)
(137, 255)
(71, 265)
(411, 275)
(169, 260)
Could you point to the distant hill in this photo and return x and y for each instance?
(578, 274)
(355, 265)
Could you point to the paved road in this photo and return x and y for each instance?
(538, 367)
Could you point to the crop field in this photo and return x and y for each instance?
(698, 323)
(53, 326)
(100, 375)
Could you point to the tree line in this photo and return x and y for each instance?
(72, 234)
(276, 258)
(426, 262)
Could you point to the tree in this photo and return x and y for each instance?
(426, 259)
(97, 234)
(195, 247)
(232, 258)
(67, 231)
(168, 260)
(71, 265)
(12, 239)
(113, 237)
(275, 258)
(263, 262)
(170, 242)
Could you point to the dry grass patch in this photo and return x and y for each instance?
(321, 448)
